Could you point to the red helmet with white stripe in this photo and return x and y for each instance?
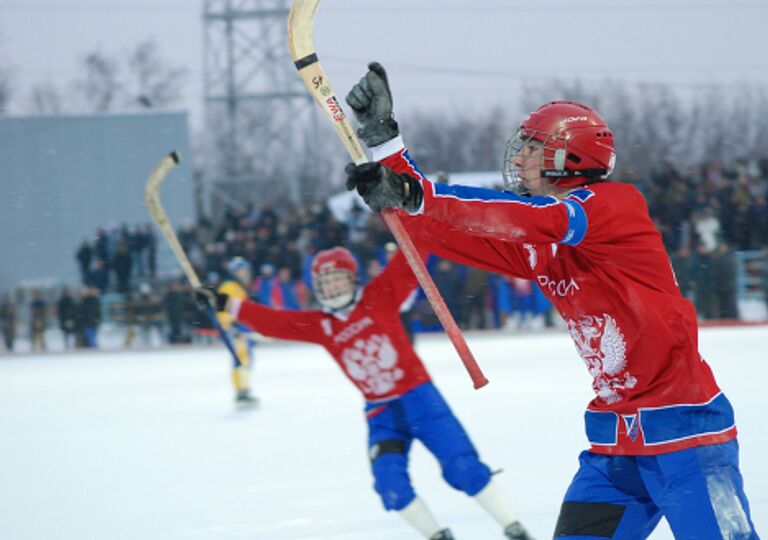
(335, 277)
(578, 145)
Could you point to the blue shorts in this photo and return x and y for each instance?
(420, 414)
(699, 491)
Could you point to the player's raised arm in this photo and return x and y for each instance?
(275, 323)
(397, 183)
(475, 211)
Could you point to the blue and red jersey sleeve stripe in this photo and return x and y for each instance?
(490, 213)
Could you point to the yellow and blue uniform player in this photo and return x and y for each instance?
(237, 286)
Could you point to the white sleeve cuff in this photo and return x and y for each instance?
(233, 306)
(425, 185)
(384, 150)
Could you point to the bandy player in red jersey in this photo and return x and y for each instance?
(662, 434)
(360, 327)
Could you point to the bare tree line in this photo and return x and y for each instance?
(104, 81)
(654, 126)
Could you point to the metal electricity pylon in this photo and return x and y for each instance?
(256, 108)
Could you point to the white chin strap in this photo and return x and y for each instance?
(338, 302)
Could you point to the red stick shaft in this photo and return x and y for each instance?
(434, 297)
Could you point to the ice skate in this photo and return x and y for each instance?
(445, 534)
(515, 531)
(245, 399)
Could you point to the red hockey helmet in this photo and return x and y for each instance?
(578, 145)
(335, 277)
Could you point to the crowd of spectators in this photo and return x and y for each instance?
(704, 215)
(117, 256)
(77, 316)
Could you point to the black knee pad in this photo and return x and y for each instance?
(392, 446)
(589, 519)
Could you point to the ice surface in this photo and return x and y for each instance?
(148, 445)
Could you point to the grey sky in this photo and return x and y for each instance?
(450, 52)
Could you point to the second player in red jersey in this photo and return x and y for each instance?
(360, 327)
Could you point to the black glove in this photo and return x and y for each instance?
(381, 187)
(371, 101)
(208, 297)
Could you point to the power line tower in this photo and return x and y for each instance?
(257, 110)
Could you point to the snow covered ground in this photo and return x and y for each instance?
(148, 445)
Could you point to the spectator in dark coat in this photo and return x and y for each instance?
(136, 244)
(101, 247)
(122, 263)
(151, 247)
(66, 312)
(683, 265)
(723, 273)
(100, 276)
(701, 277)
(8, 322)
(89, 317)
(190, 311)
(175, 305)
(84, 256)
(186, 235)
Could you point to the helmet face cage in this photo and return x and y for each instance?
(552, 158)
(336, 288)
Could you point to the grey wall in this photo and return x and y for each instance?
(62, 177)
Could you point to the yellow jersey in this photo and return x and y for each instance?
(233, 289)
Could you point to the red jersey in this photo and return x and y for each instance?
(599, 259)
(367, 340)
